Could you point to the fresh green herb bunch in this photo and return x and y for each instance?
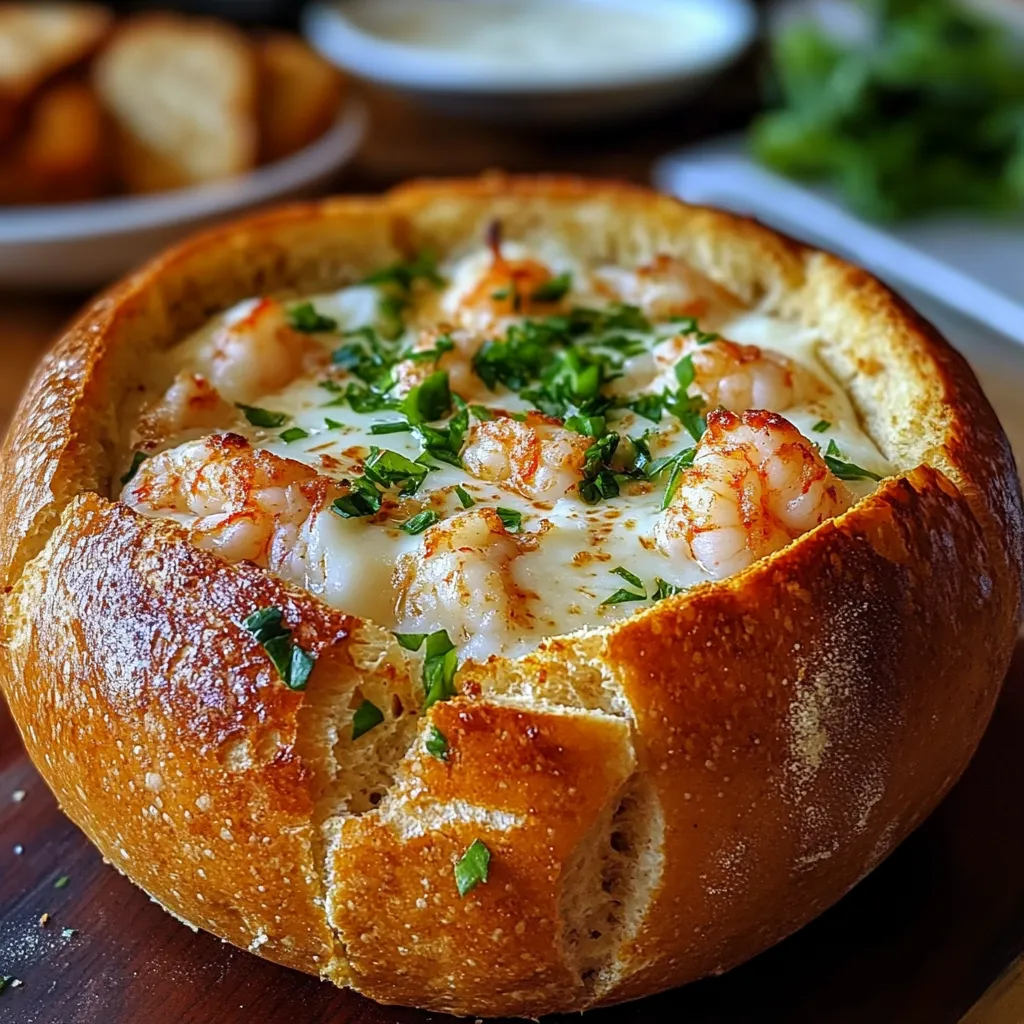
(927, 113)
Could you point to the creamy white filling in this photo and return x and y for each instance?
(565, 578)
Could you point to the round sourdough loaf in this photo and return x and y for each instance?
(662, 799)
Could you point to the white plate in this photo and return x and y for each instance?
(462, 82)
(87, 245)
(960, 273)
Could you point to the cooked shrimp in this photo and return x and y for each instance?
(738, 377)
(508, 287)
(244, 503)
(460, 580)
(756, 484)
(457, 362)
(669, 287)
(537, 458)
(260, 354)
(190, 403)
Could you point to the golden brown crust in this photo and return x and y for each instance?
(662, 799)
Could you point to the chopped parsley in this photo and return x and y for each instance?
(472, 867)
(391, 469)
(420, 522)
(436, 743)
(623, 595)
(368, 716)
(405, 274)
(293, 664)
(293, 434)
(554, 290)
(845, 470)
(821, 426)
(651, 407)
(465, 498)
(305, 318)
(363, 499)
(675, 465)
(440, 663)
(263, 417)
(445, 443)
(410, 641)
(429, 400)
(688, 325)
(628, 576)
(425, 355)
(395, 283)
(391, 427)
(510, 519)
(588, 426)
(599, 480)
(137, 460)
(685, 373)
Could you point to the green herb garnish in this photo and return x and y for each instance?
(293, 434)
(406, 274)
(846, 470)
(821, 426)
(622, 596)
(137, 460)
(390, 469)
(675, 465)
(305, 318)
(664, 589)
(472, 867)
(62, 882)
(363, 499)
(263, 417)
(554, 290)
(436, 743)
(420, 522)
(440, 663)
(464, 496)
(628, 576)
(510, 519)
(391, 427)
(429, 400)
(368, 716)
(293, 664)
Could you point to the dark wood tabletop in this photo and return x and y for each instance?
(916, 943)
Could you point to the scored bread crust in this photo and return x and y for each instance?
(662, 798)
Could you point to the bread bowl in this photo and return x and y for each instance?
(576, 819)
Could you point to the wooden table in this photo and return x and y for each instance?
(916, 943)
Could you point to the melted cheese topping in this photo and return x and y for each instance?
(561, 575)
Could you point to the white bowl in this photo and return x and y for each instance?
(468, 83)
(87, 245)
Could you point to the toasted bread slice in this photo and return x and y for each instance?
(183, 94)
(38, 40)
(300, 95)
(59, 156)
